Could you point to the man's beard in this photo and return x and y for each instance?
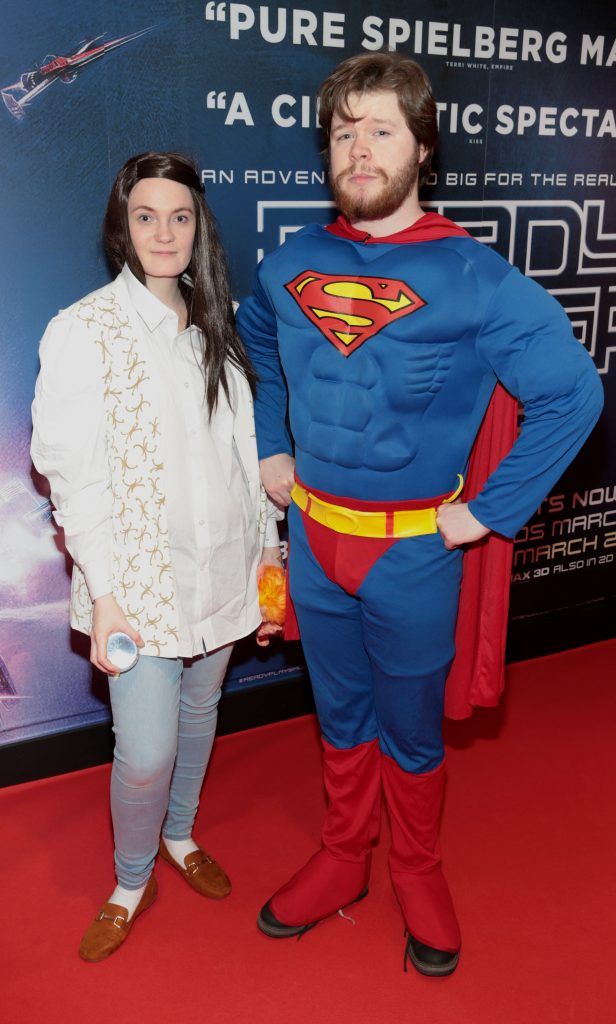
(380, 205)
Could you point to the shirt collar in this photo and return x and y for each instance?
(151, 310)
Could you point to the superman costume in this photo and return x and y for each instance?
(386, 353)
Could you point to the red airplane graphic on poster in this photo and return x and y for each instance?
(32, 83)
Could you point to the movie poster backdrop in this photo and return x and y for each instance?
(525, 164)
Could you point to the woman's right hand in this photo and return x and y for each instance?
(108, 617)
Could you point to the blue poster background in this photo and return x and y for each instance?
(527, 142)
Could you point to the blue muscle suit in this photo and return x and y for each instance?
(384, 354)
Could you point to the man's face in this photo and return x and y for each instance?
(374, 157)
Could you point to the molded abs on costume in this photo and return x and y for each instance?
(396, 417)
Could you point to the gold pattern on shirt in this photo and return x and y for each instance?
(133, 429)
(136, 470)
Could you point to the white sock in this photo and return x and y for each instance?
(128, 898)
(180, 848)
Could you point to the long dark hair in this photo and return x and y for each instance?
(373, 72)
(208, 295)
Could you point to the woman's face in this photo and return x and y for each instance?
(161, 221)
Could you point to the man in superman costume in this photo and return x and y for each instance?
(385, 336)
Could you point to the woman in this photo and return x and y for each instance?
(143, 425)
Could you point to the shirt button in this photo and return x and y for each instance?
(186, 384)
(202, 522)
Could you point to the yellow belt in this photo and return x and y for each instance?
(400, 523)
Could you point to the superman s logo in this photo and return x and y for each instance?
(349, 310)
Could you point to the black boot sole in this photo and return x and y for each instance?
(278, 930)
(424, 967)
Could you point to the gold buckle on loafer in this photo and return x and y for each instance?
(114, 920)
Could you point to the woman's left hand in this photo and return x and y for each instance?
(267, 630)
(270, 556)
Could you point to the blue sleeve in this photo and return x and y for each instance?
(526, 339)
(256, 322)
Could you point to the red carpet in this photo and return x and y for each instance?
(529, 837)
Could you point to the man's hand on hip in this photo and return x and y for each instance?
(277, 477)
(457, 525)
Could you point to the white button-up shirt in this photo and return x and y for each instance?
(212, 536)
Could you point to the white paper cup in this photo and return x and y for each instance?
(122, 651)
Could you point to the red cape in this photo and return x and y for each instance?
(477, 673)
(429, 227)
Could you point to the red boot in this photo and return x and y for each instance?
(414, 804)
(338, 873)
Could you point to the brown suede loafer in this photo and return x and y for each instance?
(111, 926)
(201, 872)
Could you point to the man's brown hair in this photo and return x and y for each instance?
(374, 72)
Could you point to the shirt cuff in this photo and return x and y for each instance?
(99, 580)
(271, 534)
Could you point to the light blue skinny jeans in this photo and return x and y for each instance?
(164, 720)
